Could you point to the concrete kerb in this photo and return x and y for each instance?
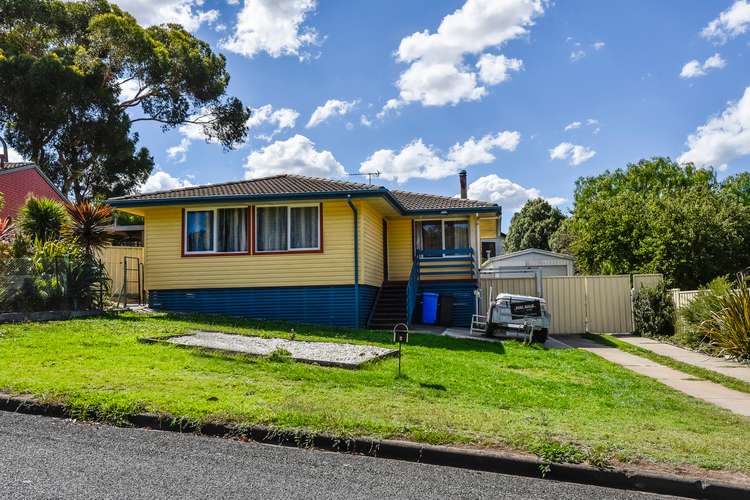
(486, 461)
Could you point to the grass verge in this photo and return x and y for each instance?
(563, 405)
(726, 381)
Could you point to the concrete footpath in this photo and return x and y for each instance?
(723, 366)
(735, 401)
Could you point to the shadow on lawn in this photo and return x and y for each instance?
(284, 329)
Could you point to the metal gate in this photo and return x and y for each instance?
(601, 304)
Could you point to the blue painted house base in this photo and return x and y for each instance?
(321, 305)
(464, 301)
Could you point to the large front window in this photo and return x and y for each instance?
(221, 230)
(287, 228)
(442, 234)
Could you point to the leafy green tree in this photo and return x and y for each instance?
(533, 225)
(561, 240)
(75, 76)
(738, 186)
(659, 216)
(41, 219)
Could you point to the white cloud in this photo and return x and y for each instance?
(330, 108)
(731, 23)
(296, 155)
(417, 160)
(391, 106)
(714, 62)
(437, 74)
(577, 55)
(494, 69)
(580, 51)
(363, 120)
(723, 138)
(179, 153)
(694, 68)
(14, 156)
(188, 13)
(504, 192)
(162, 181)
(282, 118)
(474, 152)
(573, 153)
(591, 122)
(273, 26)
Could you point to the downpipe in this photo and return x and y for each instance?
(356, 259)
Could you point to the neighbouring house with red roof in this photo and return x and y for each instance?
(18, 181)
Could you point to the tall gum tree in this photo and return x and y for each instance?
(75, 77)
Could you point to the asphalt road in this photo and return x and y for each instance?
(43, 457)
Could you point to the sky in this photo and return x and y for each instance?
(526, 95)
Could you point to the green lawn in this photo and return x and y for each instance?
(564, 404)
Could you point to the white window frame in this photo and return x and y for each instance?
(289, 248)
(214, 229)
(442, 228)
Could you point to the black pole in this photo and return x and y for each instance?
(399, 359)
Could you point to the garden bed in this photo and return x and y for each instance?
(25, 317)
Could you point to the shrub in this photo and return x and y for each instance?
(57, 275)
(87, 225)
(653, 312)
(729, 328)
(41, 218)
(700, 309)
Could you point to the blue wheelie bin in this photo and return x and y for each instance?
(429, 308)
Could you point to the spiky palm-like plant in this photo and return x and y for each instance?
(6, 229)
(87, 225)
(729, 327)
(41, 218)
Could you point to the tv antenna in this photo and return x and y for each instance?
(368, 174)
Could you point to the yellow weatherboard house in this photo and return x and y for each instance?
(311, 250)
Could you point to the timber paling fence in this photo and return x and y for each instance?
(681, 298)
(577, 304)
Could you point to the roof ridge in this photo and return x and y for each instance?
(201, 186)
(440, 196)
(325, 179)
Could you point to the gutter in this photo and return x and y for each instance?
(356, 260)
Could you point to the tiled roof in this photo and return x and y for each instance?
(278, 184)
(420, 201)
(288, 184)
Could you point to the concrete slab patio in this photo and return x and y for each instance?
(726, 367)
(321, 353)
(734, 401)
